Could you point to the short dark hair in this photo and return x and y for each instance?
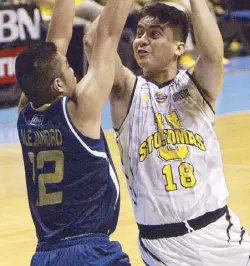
(36, 67)
(166, 13)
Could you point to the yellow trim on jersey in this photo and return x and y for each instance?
(41, 108)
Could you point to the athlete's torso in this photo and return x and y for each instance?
(170, 153)
(71, 181)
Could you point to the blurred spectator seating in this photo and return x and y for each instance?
(21, 27)
(234, 24)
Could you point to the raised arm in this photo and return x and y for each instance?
(124, 78)
(208, 71)
(61, 25)
(93, 90)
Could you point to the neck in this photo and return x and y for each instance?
(44, 101)
(163, 75)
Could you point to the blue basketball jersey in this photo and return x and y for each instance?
(71, 181)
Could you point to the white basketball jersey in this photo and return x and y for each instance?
(170, 153)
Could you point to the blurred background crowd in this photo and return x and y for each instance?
(232, 16)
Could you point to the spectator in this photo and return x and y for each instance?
(232, 30)
(87, 10)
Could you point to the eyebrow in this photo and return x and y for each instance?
(154, 26)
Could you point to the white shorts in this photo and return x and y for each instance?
(217, 244)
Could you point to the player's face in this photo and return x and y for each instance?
(154, 46)
(70, 79)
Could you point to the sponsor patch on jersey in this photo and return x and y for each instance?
(160, 97)
(180, 95)
(37, 120)
(146, 98)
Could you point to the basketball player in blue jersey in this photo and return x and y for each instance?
(72, 185)
(169, 151)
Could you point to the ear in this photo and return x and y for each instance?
(58, 85)
(180, 49)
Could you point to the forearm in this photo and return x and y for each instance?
(207, 35)
(61, 25)
(89, 38)
(105, 25)
(114, 16)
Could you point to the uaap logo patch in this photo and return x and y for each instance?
(37, 120)
(160, 97)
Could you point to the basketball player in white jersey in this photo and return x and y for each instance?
(169, 151)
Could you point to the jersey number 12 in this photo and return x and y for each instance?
(42, 179)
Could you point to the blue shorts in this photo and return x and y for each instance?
(88, 250)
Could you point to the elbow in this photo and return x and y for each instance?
(216, 57)
(217, 53)
(212, 51)
(88, 41)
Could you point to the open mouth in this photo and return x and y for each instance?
(142, 52)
